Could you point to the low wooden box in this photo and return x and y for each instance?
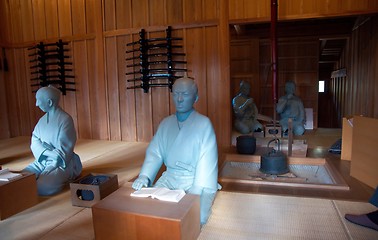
(18, 195)
(99, 191)
(120, 216)
(270, 130)
(260, 134)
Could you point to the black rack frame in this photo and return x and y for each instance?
(142, 65)
(49, 66)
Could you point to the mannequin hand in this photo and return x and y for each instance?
(141, 181)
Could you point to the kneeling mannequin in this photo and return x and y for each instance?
(52, 144)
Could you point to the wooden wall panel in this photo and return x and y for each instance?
(192, 10)
(78, 17)
(5, 23)
(16, 23)
(210, 9)
(51, 11)
(65, 17)
(112, 88)
(12, 95)
(27, 18)
(4, 124)
(356, 94)
(21, 87)
(98, 94)
(160, 96)
(39, 19)
(236, 9)
(110, 17)
(139, 13)
(215, 87)
(157, 12)
(195, 45)
(244, 61)
(34, 112)
(260, 8)
(174, 11)
(123, 18)
(82, 85)
(126, 96)
(143, 116)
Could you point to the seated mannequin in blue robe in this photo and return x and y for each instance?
(52, 145)
(245, 111)
(291, 106)
(185, 143)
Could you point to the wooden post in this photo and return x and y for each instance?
(290, 138)
(273, 39)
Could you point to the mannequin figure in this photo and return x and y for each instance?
(185, 143)
(245, 111)
(52, 144)
(291, 106)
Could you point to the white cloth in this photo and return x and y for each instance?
(189, 152)
(54, 133)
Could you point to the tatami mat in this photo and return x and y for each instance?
(355, 231)
(255, 216)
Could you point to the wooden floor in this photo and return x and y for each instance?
(55, 217)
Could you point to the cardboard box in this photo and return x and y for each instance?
(120, 216)
(18, 195)
(80, 190)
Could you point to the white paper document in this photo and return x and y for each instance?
(163, 194)
(6, 175)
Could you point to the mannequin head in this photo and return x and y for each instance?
(245, 88)
(47, 98)
(185, 94)
(290, 87)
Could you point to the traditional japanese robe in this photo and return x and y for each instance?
(292, 108)
(189, 152)
(56, 133)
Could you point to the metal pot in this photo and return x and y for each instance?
(246, 144)
(274, 162)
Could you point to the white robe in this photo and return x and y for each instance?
(190, 155)
(58, 131)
